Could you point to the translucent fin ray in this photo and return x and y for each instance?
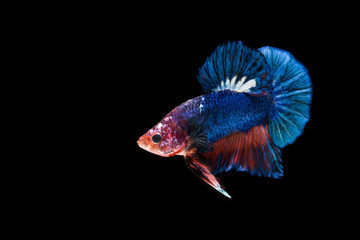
(252, 151)
(292, 95)
(198, 165)
(235, 67)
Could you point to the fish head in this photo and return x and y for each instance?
(167, 138)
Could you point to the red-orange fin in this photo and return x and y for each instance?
(198, 165)
(252, 151)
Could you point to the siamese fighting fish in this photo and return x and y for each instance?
(255, 102)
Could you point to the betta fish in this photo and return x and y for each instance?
(256, 102)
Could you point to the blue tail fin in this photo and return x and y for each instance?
(292, 94)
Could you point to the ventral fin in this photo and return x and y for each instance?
(252, 151)
(197, 164)
(236, 67)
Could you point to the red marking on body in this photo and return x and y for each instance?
(263, 93)
(243, 149)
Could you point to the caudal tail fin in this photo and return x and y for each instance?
(292, 94)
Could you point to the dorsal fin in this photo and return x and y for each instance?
(235, 67)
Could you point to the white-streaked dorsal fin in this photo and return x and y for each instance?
(227, 82)
(233, 80)
(242, 80)
(247, 86)
(239, 86)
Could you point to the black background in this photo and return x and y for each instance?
(103, 76)
(143, 80)
(131, 79)
(172, 81)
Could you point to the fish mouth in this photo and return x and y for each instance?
(142, 144)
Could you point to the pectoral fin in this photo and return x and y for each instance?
(197, 164)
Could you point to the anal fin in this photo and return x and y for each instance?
(252, 151)
(197, 164)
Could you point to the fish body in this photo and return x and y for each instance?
(255, 103)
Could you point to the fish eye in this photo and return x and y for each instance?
(156, 138)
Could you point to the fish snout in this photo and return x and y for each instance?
(142, 143)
